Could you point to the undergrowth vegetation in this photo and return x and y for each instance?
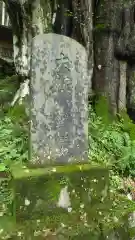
(13, 142)
(111, 145)
(13, 126)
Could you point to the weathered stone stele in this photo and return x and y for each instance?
(59, 93)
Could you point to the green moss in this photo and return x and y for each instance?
(102, 109)
(42, 187)
(128, 125)
(87, 217)
(18, 113)
(100, 26)
(21, 171)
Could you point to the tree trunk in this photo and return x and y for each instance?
(20, 25)
(131, 91)
(106, 71)
(114, 50)
(113, 44)
(125, 51)
(122, 86)
(30, 18)
(83, 30)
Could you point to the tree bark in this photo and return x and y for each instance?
(83, 30)
(20, 20)
(114, 48)
(122, 86)
(106, 71)
(28, 18)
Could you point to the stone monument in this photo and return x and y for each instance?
(59, 94)
(59, 186)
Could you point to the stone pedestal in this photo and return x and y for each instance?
(69, 191)
(65, 202)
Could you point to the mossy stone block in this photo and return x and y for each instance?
(37, 192)
(94, 212)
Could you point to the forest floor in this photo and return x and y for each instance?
(111, 145)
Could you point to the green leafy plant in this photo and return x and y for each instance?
(13, 142)
(112, 145)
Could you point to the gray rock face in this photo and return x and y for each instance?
(59, 93)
